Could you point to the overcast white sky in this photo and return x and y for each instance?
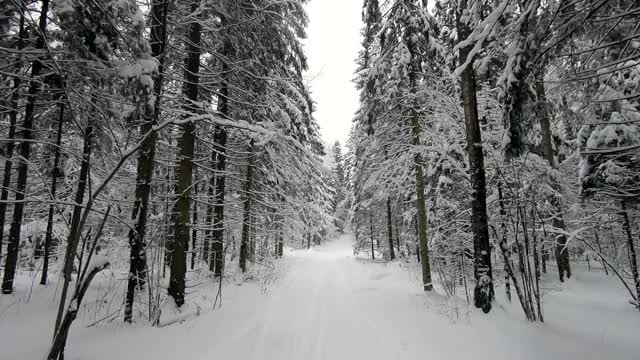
(332, 47)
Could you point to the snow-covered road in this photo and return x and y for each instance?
(326, 304)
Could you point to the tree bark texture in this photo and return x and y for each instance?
(13, 243)
(483, 292)
(561, 252)
(184, 172)
(246, 218)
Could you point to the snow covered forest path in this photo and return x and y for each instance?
(325, 303)
(328, 304)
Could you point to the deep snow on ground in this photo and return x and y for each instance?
(328, 304)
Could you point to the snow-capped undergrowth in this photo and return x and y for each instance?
(326, 303)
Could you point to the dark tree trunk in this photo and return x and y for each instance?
(25, 153)
(207, 253)
(483, 293)
(536, 253)
(398, 235)
(280, 230)
(280, 241)
(544, 257)
(74, 228)
(392, 254)
(545, 122)
(220, 163)
(503, 243)
(415, 224)
(600, 254)
(276, 244)
(194, 231)
(421, 205)
(357, 246)
(184, 172)
(252, 235)
(168, 220)
(246, 217)
(562, 254)
(13, 119)
(146, 163)
(217, 239)
(55, 173)
(561, 250)
(373, 254)
(632, 250)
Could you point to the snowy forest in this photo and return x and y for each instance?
(167, 191)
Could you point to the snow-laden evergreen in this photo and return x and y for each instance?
(166, 191)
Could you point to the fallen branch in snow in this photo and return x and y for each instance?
(612, 269)
(108, 317)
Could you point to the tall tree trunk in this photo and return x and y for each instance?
(25, 154)
(207, 253)
(55, 173)
(146, 162)
(194, 230)
(373, 254)
(168, 218)
(280, 229)
(562, 253)
(600, 253)
(280, 241)
(13, 119)
(398, 235)
(219, 158)
(356, 233)
(632, 250)
(276, 242)
(421, 206)
(252, 235)
(184, 173)
(246, 217)
(415, 225)
(74, 229)
(503, 242)
(220, 163)
(525, 264)
(483, 292)
(536, 264)
(392, 254)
